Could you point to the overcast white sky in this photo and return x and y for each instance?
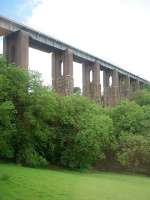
(115, 30)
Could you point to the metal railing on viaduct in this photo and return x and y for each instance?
(18, 38)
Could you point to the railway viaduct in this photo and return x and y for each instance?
(18, 38)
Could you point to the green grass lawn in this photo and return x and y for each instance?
(21, 183)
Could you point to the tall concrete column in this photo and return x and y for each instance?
(91, 88)
(127, 87)
(57, 76)
(106, 86)
(137, 85)
(124, 86)
(62, 72)
(96, 87)
(141, 85)
(16, 48)
(121, 86)
(68, 72)
(86, 79)
(115, 88)
(133, 85)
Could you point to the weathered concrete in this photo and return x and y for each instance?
(124, 86)
(91, 89)
(48, 44)
(18, 38)
(62, 63)
(133, 85)
(121, 86)
(137, 84)
(115, 88)
(141, 85)
(127, 87)
(106, 86)
(16, 47)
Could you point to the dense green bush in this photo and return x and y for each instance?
(38, 127)
(146, 121)
(29, 157)
(69, 131)
(7, 129)
(84, 132)
(128, 118)
(142, 97)
(134, 152)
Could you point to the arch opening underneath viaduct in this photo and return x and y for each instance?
(77, 76)
(41, 62)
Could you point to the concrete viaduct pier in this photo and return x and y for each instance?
(117, 83)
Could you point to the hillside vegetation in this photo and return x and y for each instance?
(38, 127)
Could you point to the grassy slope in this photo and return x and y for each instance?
(40, 184)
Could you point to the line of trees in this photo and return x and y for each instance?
(38, 127)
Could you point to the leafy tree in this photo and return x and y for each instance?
(134, 152)
(128, 118)
(84, 132)
(37, 126)
(142, 97)
(7, 129)
(77, 91)
(17, 86)
(146, 121)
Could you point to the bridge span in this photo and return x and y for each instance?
(18, 38)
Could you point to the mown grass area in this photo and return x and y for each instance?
(22, 183)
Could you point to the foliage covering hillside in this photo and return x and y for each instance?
(38, 127)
